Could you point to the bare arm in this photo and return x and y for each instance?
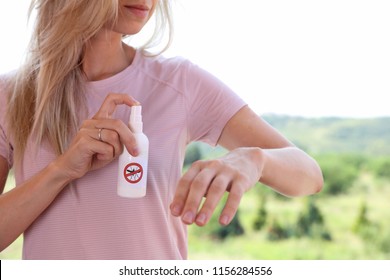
(285, 168)
(21, 206)
(257, 153)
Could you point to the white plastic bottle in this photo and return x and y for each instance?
(132, 172)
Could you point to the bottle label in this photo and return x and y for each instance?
(133, 172)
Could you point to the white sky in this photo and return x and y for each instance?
(297, 57)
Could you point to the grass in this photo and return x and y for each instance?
(340, 213)
(14, 251)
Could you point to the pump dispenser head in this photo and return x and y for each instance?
(136, 124)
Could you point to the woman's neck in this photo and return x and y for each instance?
(106, 55)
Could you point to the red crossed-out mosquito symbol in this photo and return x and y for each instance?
(133, 173)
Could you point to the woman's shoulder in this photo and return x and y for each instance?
(177, 69)
(162, 64)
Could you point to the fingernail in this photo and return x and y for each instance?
(188, 217)
(135, 151)
(201, 219)
(224, 220)
(176, 210)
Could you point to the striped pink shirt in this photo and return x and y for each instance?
(88, 220)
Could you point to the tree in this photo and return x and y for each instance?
(339, 174)
(382, 167)
(362, 220)
(193, 153)
(311, 221)
(235, 228)
(276, 231)
(261, 217)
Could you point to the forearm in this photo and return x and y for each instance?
(23, 204)
(291, 172)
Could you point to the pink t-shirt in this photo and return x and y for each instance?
(88, 220)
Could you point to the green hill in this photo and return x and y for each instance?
(326, 135)
(336, 135)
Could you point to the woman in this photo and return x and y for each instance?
(65, 124)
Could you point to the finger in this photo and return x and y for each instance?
(110, 103)
(93, 147)
(232, 203)
(108, 136)
(214, 195)
(198, 189)
(104, 151)
(183, 189)
(126, 137)
(83, 155)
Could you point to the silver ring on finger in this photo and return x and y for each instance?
(100, 134)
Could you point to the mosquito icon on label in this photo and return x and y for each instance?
(133, 172)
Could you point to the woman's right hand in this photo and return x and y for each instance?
(99, 140)
(20, 206)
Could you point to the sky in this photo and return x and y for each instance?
(309, 58)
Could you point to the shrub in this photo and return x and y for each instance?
(235, 228)
(339, 174)
(362, 220)
(261, 217)
(311, 222)
(193, 153)
(381, 167)
(215, 230)
(276, 231)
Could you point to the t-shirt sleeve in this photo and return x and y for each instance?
(211, 105)
(6, 150)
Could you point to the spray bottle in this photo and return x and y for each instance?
(132, 172)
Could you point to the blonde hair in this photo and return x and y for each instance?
(46, 95)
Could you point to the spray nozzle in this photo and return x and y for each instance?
(136, 118)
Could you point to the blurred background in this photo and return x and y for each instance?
(319, 72)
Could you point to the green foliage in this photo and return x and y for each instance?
(357, 161)
(276, 231)
(353, 154)
(311, 222)
(193, 153)
(335, 135)
(235, 228)
(381, 167)
(383, 241)
(339, 173)
(362, 220)
(215, 230)
(261, 217)
(370, 231)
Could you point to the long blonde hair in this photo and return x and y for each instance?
(46, 95)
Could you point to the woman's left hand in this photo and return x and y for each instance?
(236, 172)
